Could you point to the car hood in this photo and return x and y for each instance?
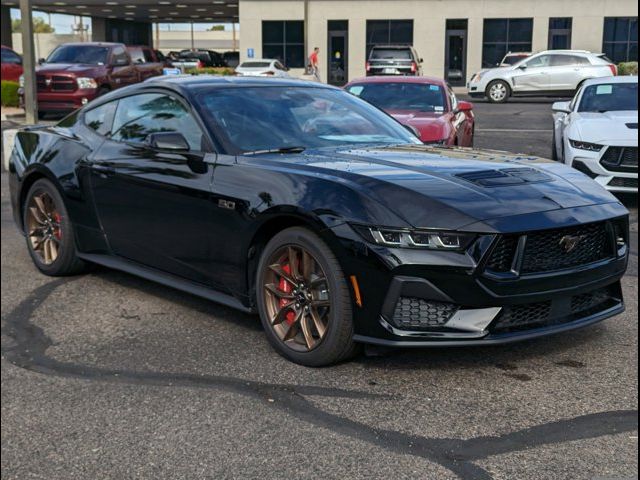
(433, 126)
(606, 127)
(73, 68)
(453, 187)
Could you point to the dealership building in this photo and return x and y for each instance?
(455, 38)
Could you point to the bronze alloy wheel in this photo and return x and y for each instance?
(44, 227)
(297, 298)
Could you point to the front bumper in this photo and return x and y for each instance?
(51, 102)
(426, 298)
(591, 164)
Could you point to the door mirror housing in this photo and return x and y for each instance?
(561, 107)
(464, 106)
(41, 61)
(522, 67)
(173, 141)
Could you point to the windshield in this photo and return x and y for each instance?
(255, 65)
(513, 59)
(609, 97)
(88, 54)
(419, 97)
(268, 118)
(390, 54)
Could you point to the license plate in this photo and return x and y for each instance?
(389, 71)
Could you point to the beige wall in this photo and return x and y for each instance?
(429, 24)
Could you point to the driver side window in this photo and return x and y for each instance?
(140, 115)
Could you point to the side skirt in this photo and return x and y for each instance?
(166, 279)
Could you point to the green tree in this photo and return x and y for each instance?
(39, 25)
(216, 28)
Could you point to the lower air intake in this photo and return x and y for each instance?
(416, 313)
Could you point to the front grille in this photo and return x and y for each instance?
(620, 159)
(416, 313)
(550, 250)
(55, 83)
(624, 182)
(556, 312)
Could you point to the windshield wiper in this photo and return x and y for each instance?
(276, 150)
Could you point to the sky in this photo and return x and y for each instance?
(64, 23)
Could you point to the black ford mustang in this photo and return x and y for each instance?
(320, 212)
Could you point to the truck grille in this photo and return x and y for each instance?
(416, 313)
(55, 83)
(556, 312)
(547, 250)
(620, 159)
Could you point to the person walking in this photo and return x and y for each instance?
(314, 65)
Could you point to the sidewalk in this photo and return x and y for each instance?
(11, 113)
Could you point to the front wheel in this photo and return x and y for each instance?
(498, 91)
(303, 299)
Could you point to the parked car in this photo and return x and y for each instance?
(393, 60)
(198, 59)
(512, 58)
(76, 73)
(597, 132)
(231, 59)
(262, 67)
(426, 104)
(11, 64)
(256, 193)
(547, 74)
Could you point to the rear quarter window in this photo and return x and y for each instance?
(99, 119)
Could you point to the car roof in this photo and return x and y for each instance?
(251, 60)
(92, 44)
(565, 52)
(608, 80)
(187, 82)
(399, 79)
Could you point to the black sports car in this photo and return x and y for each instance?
(303, 203)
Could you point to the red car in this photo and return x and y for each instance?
(424, 103)
(11, 64)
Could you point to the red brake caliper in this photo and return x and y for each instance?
(58, 231)
(286, 287)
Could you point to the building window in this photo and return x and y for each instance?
(504, 35)
(621, 39)
(560, 33)
(284, 41)
(389, 32)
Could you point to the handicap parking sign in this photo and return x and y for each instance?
(251, 53)
(171, 71)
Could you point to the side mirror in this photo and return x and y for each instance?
(561, 107)
(120, 62)
(40, 61)
(168, 141)
(465, 106)
(412, 129)
(421, 61)
(522, 67)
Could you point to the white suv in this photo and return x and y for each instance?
(545, 74)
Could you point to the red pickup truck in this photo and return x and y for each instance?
(76, 73)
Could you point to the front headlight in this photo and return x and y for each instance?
(477, 77)
(21, 81)
(85, 83)
(591, 147)
(416, 238)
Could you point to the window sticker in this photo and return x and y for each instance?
(356, 90)
(438, 109)
(434, 88)
(604, 90)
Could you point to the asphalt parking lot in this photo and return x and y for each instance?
(108, 376)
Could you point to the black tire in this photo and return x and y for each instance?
(66, 261)
(499, 85)
(337, 344)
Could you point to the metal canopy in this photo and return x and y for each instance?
(161, 11)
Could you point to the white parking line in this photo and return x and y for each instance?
(521, 130)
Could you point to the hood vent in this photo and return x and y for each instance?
(505, 177)
(633, 126)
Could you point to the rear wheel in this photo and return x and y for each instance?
(303, 299)
(498, 91)
(49, 232)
